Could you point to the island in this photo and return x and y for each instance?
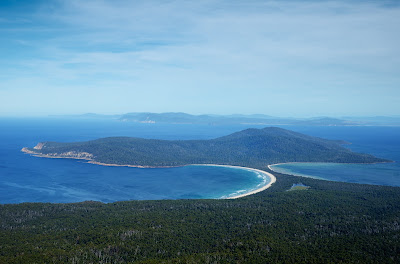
(259, 119)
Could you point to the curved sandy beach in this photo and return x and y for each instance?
(264, 187)
(269, 166)
(291, 174)
(271, 176)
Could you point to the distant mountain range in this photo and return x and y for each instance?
(250, 147)
(255, 119)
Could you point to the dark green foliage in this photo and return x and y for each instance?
(329, 223)
(250, 147)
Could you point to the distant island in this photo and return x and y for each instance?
(255, 148)
(235, 119)
(255, 119)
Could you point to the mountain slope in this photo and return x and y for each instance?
(250, 147)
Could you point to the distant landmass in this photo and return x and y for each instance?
(251, 147)
(256, 119)
(234, 119)
(375, 120)
(87, 116)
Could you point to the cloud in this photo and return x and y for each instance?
(287, 49)
(180, 32)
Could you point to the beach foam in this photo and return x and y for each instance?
(259, 188)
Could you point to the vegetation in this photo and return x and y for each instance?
(250, 147)
(299, 187)
(329, 223)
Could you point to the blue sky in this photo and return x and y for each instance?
(281, 58)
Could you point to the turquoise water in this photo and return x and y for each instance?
(383, 142)
(378, 174)
(24, 178)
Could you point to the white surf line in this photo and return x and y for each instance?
(271, 176)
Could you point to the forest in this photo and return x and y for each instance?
(330, 222)
(327, 222)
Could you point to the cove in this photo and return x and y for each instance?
(66, 181)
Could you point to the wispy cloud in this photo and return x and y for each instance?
(246, 51)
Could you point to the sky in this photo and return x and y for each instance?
(281, 58)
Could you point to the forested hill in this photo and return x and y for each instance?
(250, 147)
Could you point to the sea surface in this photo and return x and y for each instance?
(24, 178)
(382, 142)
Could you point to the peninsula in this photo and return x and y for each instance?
(255, 148)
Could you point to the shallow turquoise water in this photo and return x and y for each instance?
(378, 174)
(383, 142)
(24, 178)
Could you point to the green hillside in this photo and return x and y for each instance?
(250, 147)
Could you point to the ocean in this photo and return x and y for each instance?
(382, 142)
(24, 178)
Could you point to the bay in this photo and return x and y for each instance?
(383, 142)
(24, 178)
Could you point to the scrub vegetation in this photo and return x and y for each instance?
(331, 222)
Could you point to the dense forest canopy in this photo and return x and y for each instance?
(327, 222)
(250, 147)
(331, 222)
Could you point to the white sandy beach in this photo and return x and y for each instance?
(298, 175)
(271, 176)
(270, 166)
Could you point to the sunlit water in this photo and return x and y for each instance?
(24, 178)
(383, 142)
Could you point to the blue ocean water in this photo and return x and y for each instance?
(383, 142)
(24, 178)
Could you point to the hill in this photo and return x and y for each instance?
(250, 147)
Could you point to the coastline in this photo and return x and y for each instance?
(90, 161)
(309, 176)
(39, 155)
(294, 162)
(319, 178)
(269, 167)
(267, 174)
(130, 166)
